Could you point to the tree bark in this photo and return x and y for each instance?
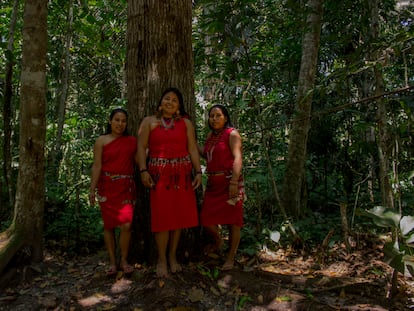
(27, 225)
(159, 55)
(293, 183)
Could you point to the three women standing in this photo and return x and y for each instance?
(169, 165)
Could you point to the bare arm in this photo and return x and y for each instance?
(141, 155)
(236, 149)
(193, 150)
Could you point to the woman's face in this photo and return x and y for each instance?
(217, 119)
(169, 104)
(118, 123)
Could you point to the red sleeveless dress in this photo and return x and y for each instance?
(116, 186)
(215, 209)
(172, 199)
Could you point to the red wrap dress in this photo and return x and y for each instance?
(216, 209)
(172, 199)
(116, 186)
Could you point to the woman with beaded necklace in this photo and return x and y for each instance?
(224, 194)
(169, 164)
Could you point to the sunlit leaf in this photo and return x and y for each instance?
(275, 236)
(406, 224)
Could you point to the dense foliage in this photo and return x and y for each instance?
(247, 56)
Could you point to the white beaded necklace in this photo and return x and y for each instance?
(165, 125)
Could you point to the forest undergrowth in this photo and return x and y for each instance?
(279, 279)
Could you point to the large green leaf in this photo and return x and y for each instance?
(384, 217)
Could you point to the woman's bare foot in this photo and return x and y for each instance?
(175, 266)
(162, 270)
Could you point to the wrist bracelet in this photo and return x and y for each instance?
(199, 173)
(234, 182)
(143, 170)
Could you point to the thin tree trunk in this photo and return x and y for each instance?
(7, 108)
(293, 184)
(384, 144)
(63, 95)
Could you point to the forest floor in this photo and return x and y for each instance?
(280, 280)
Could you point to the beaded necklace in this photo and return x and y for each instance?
(167, 123)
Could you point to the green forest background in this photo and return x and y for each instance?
(247, 56)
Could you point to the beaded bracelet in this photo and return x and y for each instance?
(143, 170)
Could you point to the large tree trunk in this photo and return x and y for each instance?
(7, 110)
(27, 226)
(159, 55)
(293, 184)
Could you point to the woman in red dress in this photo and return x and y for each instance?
(224, 194)
(167, 154)
(112, 185)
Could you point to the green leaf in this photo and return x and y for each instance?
(383, 217)
(393, 256)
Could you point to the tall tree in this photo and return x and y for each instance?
(384, 142)
(159, 55)
(55, 156)
(293, 184)
(26, 230)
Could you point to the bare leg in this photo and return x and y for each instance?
(109, 238)
(214, 231)
(161, 238)
(172, 255)
(234, 238)
(124, 238)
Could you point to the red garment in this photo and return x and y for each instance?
(216, 210)
(173, 201)
(116, 186)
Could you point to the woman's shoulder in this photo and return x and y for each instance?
(150, 119)
(187, 122)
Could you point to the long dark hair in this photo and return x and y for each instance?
(177, 92)
(111, 116)
(224, 111)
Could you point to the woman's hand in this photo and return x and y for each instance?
(233, 190)
(92, 198)
(196, 181)
(147, 180)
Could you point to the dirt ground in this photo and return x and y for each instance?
(280, 280)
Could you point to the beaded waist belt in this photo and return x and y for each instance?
(117, 176)
(173, 161)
